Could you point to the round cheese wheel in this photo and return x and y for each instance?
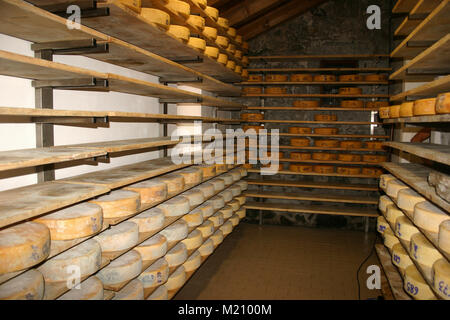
(350, 171)
(351, 78)
(161, 293)
(235, 190)
(175, 232)
(206, 248)
(441, 278)
(300, 155)
(300, 168)
(243, 185)
(153, 248)
(238, 39)
(218, 183)
(176, 206)
(175, 183)
(352, 104)
(234, 219)
(325, 117)
(301, 78)
(208, 170)
(212, 52)
(443, 103)
(238, 55)
(217, 238)
(394, 112)
(226, 228)
(176, 280)
(416, 286)
(155, 16)
(222, 42)
(376, 172)
(155, 275)
(193, 218)
(377, 104)
(206, 229)
(374, 145)
(375, 77)
(384, 179)
(231, 32)
(400, 258)
(245, 45)
(428, 216)
(404, 229)
(383, 204)
(231, 49)
(123, 236)
(210, 33)
(326, 131)
(228, 179)
(217, 202)
(323, 156)
(231, 64)
(176, 256)
(119, 203)
(134, 5)
(195, 197)
(276, 78)
(26, 286)
(444, 236)
(151, 191)
(197, 43)
(255, 128)
(196, 21)
(193, 263)
(193, 241)
(307, 104)
(252, 116)
(201, 3)
(392, 214)
(300, 130)
(390, 239)
(223, 22)
(425, 253)
(223, 59)
(229, 209)
(393, 187)
(149, 220)
(121, 269)
(217, 219)
(207, 209)
(241, 213)
(87, 256)
(221, 168)
(326, 143)
(350, 91)
(90, 289)
(382, 225)
(407, 199)
(23, 246)
(207, 189)
(350, 144)
(425, 107)
(255, 78)
(371, 158)
(179, 32)
(238, 173)
(275, 90)
(134, 290)
(179, 7)
(300, 142)
(323, 169)
(325, 78)
(384, 113)
(406, 109)
(349, 157)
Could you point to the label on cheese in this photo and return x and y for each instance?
(382, 225)
(179, 32)
(424, 252)
(121, 269)
(151, 191)
(119, 203)
(444, 236)
(176, 206)
(407, 199)
(26, 286)
(132, 291)
(123, 236)
(177, 255)
(416, 286)
(153, 248)
(149, 220)
(404, 229)
(175, 232)
(155, 275)
(393, 187)
(443, 103)
(441, 278)
(155, 16)
(90, 289)
(383, 203)
(425, 107)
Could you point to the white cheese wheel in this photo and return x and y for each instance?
(132, 291)
(228, 178)
(393, 187)
(234, 219)
(219, 184)
(227, 212)
(383, 203)
(193, 263)
(175, 183)
(176, 279)
(227, 228)
(217, 238)
(196, 21)
(241, 200)
(124, 268)
(151, 191)
(241, 213)
(195, 197)
(176, 256)
(210, 33)
(416, 286)
(175, 232)
(382, 225)
(226, 195)
(207, 229)
(212, 12)
(236, 175)
(23, 245)
(207, 209)
(206, 248)
(217, 219)
(384, 179)
(235, 205)
(217, 202)
(158, 17)
(401, 258)
(27, 286)
(149, 220)
(243, 184)
(235, 190)
(179, 7)
(153, 248)
(175, 207)
(390, 239)
(155, 275)
(123, 236)
(193, 241)
(179, 32)
(392, 214)
(119, 203)
(87, 256)
(444, 236)
(404, 229)
(428, 217)
(407, 199)
(193, 218)
(191, 175)
(441, 278)
(160, 293)
(212, 52)
(425, 253)
(90, 289)
(208, 170)
(197, 43)
(207, 189)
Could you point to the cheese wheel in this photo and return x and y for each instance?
(217, 219)
(407, 199)
(23, 246)
(119, 203)
(153, 248)
(207, 189)
(384, 113)
(425, 107)
(155, 275)
(351, 78)
(255, 128)
(374, 145)
(400, 258)
(327, 143)
(193, 218)
(375, 77)
(371, 158)
(350, 171)
(161, 293)
(424, 253)
(175, 232)
(393, 187)
(350, 144)
(217, 238)
(276, 78)
(235, 190)
(245, 45)
(349, 157)
(300, 142)
(390, 239)
(416, 286)
(176, 256)
(255, 78)
(243, 185)
(210, 33)
(228, 179)
(428, 216)
(121, 269)
(197, 43)
(134, 290)
(217, 202)
(234, 219)
(175, 281)
(394, 112)
(134, 5)
(195, 197)
(179, 7)
(193, 263)
(223, 22)
(207, 209)
(151, 191)
(231, 49)
(208, 170)
(444, 236)
(406, 109)
(443, 103)
(237, 174)
(252, 90)
(325, 78)
(226, 228)
(231, 32)
(206, 229)
(90, 289)
(352, 104)
(369, 171)
(323, 156)
(229, 209)
(206, 248)
(218, 183)
(223, 59)
(325, 117)
(441, 278)
(392, 214)
(149, 220)
(200, 3)
(300, 130)
(350, 91)
(26, 286)
(231, 64)
(275, 90)
(441, 182)
(86, 256)
(383, 204)
(323, 169)
(174, 181)
(211, 52)
(238, 39)
(301, 78)
(241, 213)
(326, 131)
(377, 104)
(196, 21)
(306, 104)
(404, 229)
(175, 207)
(252, 116)
(301, 168)
(155, 16)
(238, 55)
(123, 236)
(300, 156)
(193, 241)
(212, 12)
(222, 42)
(179, 32)
(384, 180)
(382, 224)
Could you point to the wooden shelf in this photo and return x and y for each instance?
(281, 147)
(329, 210)
(327, 162)
(439, 118)
(404, 6)
(320, 70)
(428, 90)
(416, 176)
(434, 152)
(313, 135)
(430, 30)
(308, 196)
(416, 15)
(338, 123)
(285, 172)
(314, 185)
(319, 57)
(313, 95)
(311, 109)
(433, 61)
(291, 83)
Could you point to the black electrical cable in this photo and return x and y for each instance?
(365, 260)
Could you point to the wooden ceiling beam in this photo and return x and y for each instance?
(246, 10)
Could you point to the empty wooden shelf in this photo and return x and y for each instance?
(427, 90)
(318, 57)
(434, 152)
(312, 196)
(313, 184)
(285, 172)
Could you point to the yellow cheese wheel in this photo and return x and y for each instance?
(382, 225)
(252, 116)
(326, 143)
(210, 33)
(194, 196)
(151, 191)
(374, 145)
(425, 107)
(349, 157)
(193, 218)
(176, 281)
(175, 207)
(155, 275)
(416, 286)
(218, 183)
(400, 258)
(161, 293)
(238, 54)
(179, 32)
(384, 179)
(231, 64)
(155, 16)
(392, 214)
(394, 112)
(351, 144)
(153, 248)
(193, 241)
(235, 190)
(443, 103)
(197, 43)
(217, 238)
(74, 222)
(325, 78)
(377, 104)
(300, 142)
(252, 90)
(275, 90)
(323, 169)
(222, 41)
(406, 109)
(234, 219)
(206, 229)
(241, 213)
(208, 170)
(134, 290)
(352, 104)
(193, 263)
(176, 256)
(121, 269)
(212, 12)
(371, 158)
(119, 203)
(238, 69)
(217, 219)
(123, 236)
(228, 179)
(238, 39)
(424, 253)
(300, 156)
(223, 59)
(326, 131)
(255, 78)
(179, 7)
(301, 78)
(428, 216)
(323, 156)
(255, 128)
(325, 117)
(212, 52)
(383, 204)
(23, 245)
(175, 183)
(404, 229)
(351, 78)
(207, 209)
(228, 210)
(149, 220)
(223, 22)
(231, 32)
(201, 3)
(27, 286)
(407, 199)
(375, 77)
(390, 239)
(384, 113)
(175, 232)
(444, 236)
(370, 171)
(231, 49)
(226, 228)
(393, 188)
(441, 278)
(276, 78)
(90, 289)
(300, 130)
(306, 104)
(350, 91)
(351, 171)
(196, 21)
(226, 195)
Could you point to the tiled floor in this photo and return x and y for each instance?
(289, 263)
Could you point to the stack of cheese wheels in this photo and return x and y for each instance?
(325, 117)
(384, 180)
(196, 21)
(300, 130)
(276, 78)
(121, 270)
(400, 258)
(193, 263)
(119, 204)
(255, 78)
(324, 78)
(152, 249)
(301, 78)
(416, 286)
(217, 238)
(207, 189)
(121, 237)
(231, 32)
(377, 104)
(351, 78)
(157, 17)
(210, 33)
(425, 107)
(149, 220)
(354, 104)
(197, 43)
(382, 224)
(350, 91)
(176, 256)
(90, 289)
(392, 214)
(326, 143)
(443, 103)
(371, 158)
(151, 191)
(428, 217)
(309, 104)
(390, 239)
(371, 171)
(222, 42)
(383, 204)
(374, 145)
(179, 32)
(26, 286)
(194, 196)
(323, 169)
(323, 156)
(300, 155)
(301, 168)
(275, 90)
(193, 241)
(348, 171)
(231, 64)
(384, 112)
(134, 290)
(206, 229)
(406, 109)
(154, 276)
(193, 219)
(252, 90)
(255, 128)
(444, 236)
(160, 293)
(252, 116)
(175, 183)
(407, 200)
(222, 58)
(212, 52)
(375, 77)
(326, 131)
(349, 157)
(404, 229)
(300, 142)
(393, 188)
(350, 144)
(394, 112)
(175, 233)
(424, 253)
(180, 8)
(441, 182)
(74, 222)
(441, 278)
(175, 207)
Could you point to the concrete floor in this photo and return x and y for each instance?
(284, 263)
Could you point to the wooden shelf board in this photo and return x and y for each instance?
(404, 6)
(281, 147)
(292, 83)
(314, 95)
(313, 184)
(416, 16)
(319, 57)
(329, 210)
(434, 152)
(312, 135)
(443, 118)
(327, 162)
(319, 70)
(430, 89)
(308, 196)
(338, 123)
(311, 109)
(285, 172)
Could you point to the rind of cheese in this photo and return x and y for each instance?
(374, 145)
(375, 77)
(252, 116)
(207, 210)
(176, 206)
(393, 187)
(234, 219)
(390, 239)
(235, 190)
(441, 278)
(241, 213)
(177, 255)
(161, 293)
(231, 64)
(179, 32)
(123, 236)
(238, 68)
(121, 269)
(228, 179)
(306, 104)
(384, 179)
(228, 210)
(404, 229)
(372, 158)
(207, 189)
(382, 225)
(406, 109)
(300, 142)
(206, 229)
(153, 248)
(350, 144)
(351, 171)
(392, 214)
(323, 169)
(193, 263)
(226, 228)
(327, 131)
(193, 218)
(377, 104)
(87, 256)
(384, 113)
(179, 7)
(132, 291)
(301, 78)
(26, 286)
(394, 112)
(324, 156)
(197, 21)
(299, 130)
(300, 155)
(217, 219)
(212, 52)
(195, 197)
(226, 195)
(74, 222)
(372, 171)
(243, 184)
(208, 171)
(155, 16)
(425, 107)
(223, 22)
(217, 202)
(325, 117)
(237, 174)
(175, 232)
(217, 238)
(276, 78)
(401, 258)
(149, 220)
(210, 33)
(175, 183)
(231, 32)
(407, 199)
(352, 104)
(349, 157)
(301, 168)
(206, 248)
(252, 90)
(90, 289)
(23, 246)
(151, 191)
(416, 286)
(443, 103)
(325, 78)
(155, 275)
(176, 279)
(255, 78)
(212, 12)
(351, 78)
(384, 202)
(326, 143)
(350, 91)
(425, 253)
(444, 236)
(194, 240)
(276, 90)
(119, 203)
(197, 43)
(222, 41)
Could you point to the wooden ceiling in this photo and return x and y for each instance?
(253, 17)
